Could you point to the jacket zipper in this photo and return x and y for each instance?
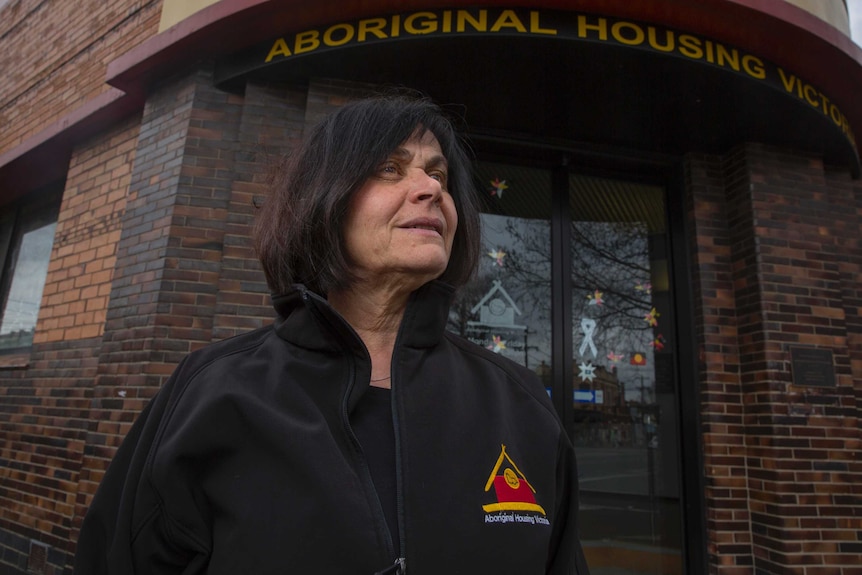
(367, 472)
(399, 567)
(401, 562)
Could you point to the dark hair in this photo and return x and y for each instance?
(299, 232)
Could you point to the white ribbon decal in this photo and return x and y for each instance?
(588, 326)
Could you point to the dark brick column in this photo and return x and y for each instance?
(726, 491)
(785, 272)
(272, 122)
(186, 274)
(168, 259)
(789, 293)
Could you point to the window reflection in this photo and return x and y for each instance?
(29, 253)
(621, 377)
(506, 308)
(625, 427)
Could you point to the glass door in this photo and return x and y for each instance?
(624, 412)
(573, 284)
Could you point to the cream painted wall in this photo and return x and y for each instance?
(832, 11)
(174, 11)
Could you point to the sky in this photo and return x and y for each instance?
(854, 7)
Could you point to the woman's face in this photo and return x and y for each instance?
(402, 221)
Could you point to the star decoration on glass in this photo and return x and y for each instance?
(587, 371)
(498, 256)
(658, 343)
(652, 317)
(645, 287)
(616, 357)
(499, 186)
(498, 344)
(596, 298)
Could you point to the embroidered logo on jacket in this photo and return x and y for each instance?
(516, 499)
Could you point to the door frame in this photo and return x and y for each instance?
(664, 170)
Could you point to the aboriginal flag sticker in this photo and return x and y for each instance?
(515, 497)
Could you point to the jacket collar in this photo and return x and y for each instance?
(307, 320)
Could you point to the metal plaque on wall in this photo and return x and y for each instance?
(812, 367)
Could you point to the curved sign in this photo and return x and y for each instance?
(536, 23)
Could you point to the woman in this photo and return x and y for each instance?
(354, 436)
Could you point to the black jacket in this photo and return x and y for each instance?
(245, 461)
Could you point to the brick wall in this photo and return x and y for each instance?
(775, 238)
(271, 122)
(185, 273)
(45, 407)
(152, 259)
(727, 516)
(54, 55)
(43, 421)
(75, 298)
(168, 260)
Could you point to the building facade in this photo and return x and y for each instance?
(671, 215)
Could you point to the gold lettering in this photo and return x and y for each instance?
(725, 57)
(373, 26)
(536, 29)
(508, 19)
(396, 26)
(836, 115)
(329, 40)
(653, 41)
(709, 55)
(753, 66)
(689, 46)
(447, 21)
(824, 101)
(845, 125)
(306, 41)
(787, 81)
(601, 27)
(637, 39)
(480, 25)
(811, 95)
(279, 48)
(425, 27)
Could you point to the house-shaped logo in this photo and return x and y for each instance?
(511, 488)
(497, 309)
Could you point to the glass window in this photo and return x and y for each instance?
(573, 284)
(507, 307)
(25, 243)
